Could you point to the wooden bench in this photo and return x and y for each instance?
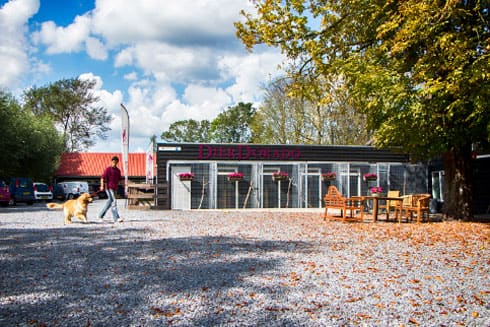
(334, 200)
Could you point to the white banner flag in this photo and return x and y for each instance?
(125, 144)
(149, 164)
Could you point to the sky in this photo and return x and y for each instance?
(165, 60)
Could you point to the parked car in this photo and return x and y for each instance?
(4, 194)
(42, 192)
(58, 193)
(72, 189)
(21, 190)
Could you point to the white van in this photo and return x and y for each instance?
(72, 190)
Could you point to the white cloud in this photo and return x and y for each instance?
(209, 99)
(92, 77)
(176, 64)
(39, 68)
(131, 76)
(181, 58)
(177, 22)
(95, 48)
(15, 13)
(124, 57)
(64, 39)
(14, 61)
(146, 103)
(154, 104)
(249, 72)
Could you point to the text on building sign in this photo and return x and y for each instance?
(245, 152)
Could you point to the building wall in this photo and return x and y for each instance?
(210, 188)
(304, 164)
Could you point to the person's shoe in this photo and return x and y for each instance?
(119, 220)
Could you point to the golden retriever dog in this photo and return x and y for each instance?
(74, 208)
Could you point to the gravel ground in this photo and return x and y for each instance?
(239, 268)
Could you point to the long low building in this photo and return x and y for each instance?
(199, 176)
(244, 175)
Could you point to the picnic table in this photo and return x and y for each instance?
(376, 200)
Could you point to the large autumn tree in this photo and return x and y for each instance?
(418, 70)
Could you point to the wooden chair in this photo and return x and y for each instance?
(334, 200)
(414, 204)
(390, 205)
(405, 203)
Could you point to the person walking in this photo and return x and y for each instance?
(111, 177)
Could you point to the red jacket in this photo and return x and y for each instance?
(112, 176)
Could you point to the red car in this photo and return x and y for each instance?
(4, 194)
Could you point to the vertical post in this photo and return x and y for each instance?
(279, 192)
(237, 195)
(125, 144)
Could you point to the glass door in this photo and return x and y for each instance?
(350, 181)
(313, 188)
(228, 192)
(271, 190)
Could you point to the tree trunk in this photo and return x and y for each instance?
(458, 193)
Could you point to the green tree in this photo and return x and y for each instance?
(74, 108)
(188, 131)
(30, 146)
(233, 124)
(418, 70)
(230, 126)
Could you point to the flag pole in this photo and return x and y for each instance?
(125, 146)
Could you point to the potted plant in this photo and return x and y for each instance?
(330, 176)
(235, 177)
(370, 177)
(376, 191)
(186, 176)
(280, 176)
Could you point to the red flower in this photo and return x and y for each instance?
(329, 175)
(235, 175)
(370, 176)
(186, 175)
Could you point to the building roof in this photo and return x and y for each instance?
(92, 164)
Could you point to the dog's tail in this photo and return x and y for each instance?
(52, 205)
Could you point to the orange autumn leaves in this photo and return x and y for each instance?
(347, 273)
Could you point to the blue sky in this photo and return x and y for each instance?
(166, 60)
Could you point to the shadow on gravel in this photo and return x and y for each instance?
(108, 277)
(36, 207)
(39, 206)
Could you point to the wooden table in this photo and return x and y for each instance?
(376, 199)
